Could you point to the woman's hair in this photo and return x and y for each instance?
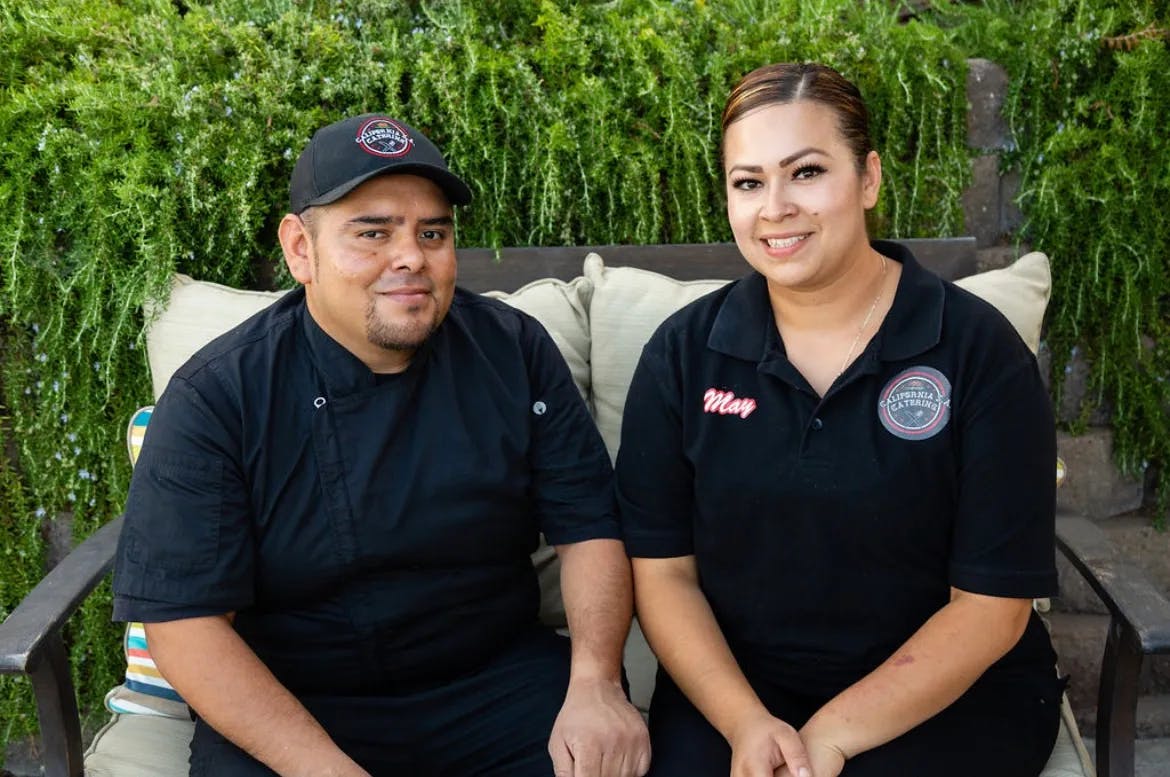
(789, 82)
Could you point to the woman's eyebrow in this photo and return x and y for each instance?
(785, 162)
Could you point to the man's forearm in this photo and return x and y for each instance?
(234, 692)
(598, 595)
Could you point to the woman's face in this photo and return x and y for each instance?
(795, 199)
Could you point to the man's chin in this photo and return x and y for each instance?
(401, 337)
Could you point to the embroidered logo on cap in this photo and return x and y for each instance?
(383, 137)
(916, 403)
(727, 403)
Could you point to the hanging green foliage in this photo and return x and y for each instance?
(1088, 108)
(143, 137)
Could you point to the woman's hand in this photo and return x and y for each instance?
(763, 744)
(825, 759)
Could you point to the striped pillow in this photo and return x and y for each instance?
(144, 692)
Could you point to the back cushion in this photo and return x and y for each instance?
(628, 304)
(197, 313)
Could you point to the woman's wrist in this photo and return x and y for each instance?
(824, 730)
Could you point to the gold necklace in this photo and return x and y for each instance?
(868, 316)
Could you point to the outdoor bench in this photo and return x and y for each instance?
(600, 304)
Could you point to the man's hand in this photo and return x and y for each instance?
(764, 744)
(598, 733)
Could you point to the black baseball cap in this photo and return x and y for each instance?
(349, 152)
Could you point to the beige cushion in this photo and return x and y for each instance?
(1020, 291)
(146, 746)
(563, 309)
(197, 312)
(140, 746)
(628, 304)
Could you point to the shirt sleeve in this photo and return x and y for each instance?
(186, 548)
(1004, 533)
(655, 480)
(572, 478)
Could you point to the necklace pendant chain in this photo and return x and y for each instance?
(868, 316)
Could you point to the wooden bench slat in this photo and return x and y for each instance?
(484, 269)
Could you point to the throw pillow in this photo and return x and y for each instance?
(1020, 291)
(563, 309)
(627, 306)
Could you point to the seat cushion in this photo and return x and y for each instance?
(145, 746)
(140, 746)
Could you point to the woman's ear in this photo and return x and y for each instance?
(296, 244)
(871, 180)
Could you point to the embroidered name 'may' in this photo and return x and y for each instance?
(727, 403)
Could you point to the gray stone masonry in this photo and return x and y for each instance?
(981, 201)
(997, 257)
(1092, 485)
(989, 206)
(987, 85)
(1079, 621)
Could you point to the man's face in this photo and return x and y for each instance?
(378, 266)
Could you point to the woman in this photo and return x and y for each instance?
(835, 479)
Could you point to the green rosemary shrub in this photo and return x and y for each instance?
(1088, 108)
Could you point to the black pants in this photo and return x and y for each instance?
(495, 722)
(1004, 727)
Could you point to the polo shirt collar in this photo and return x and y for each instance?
(914, 323)
(744, 324)
(745, 327)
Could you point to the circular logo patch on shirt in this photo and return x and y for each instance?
(383, 137)
(916, 403)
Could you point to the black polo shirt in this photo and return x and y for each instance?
(827, 530)
(372, 532)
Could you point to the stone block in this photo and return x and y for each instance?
(1044, 361)
(1079, 641)
(1093, 486)
(995, 257)
(1153, 726)
(987, 85)
(1076, 596)
(981, 201)
(1011, 217)
(1139, 543)
(1075, 400)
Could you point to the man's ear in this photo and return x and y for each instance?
(295, 242)
(871, 180)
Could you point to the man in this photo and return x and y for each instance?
(328, 529)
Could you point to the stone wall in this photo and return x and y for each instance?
(1092, 485)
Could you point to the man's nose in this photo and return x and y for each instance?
(406, 255)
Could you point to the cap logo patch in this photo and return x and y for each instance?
(727, 403)
(916, 403)
(384, 138)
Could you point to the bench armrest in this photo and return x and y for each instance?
(31, 644)
(1139, 626)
